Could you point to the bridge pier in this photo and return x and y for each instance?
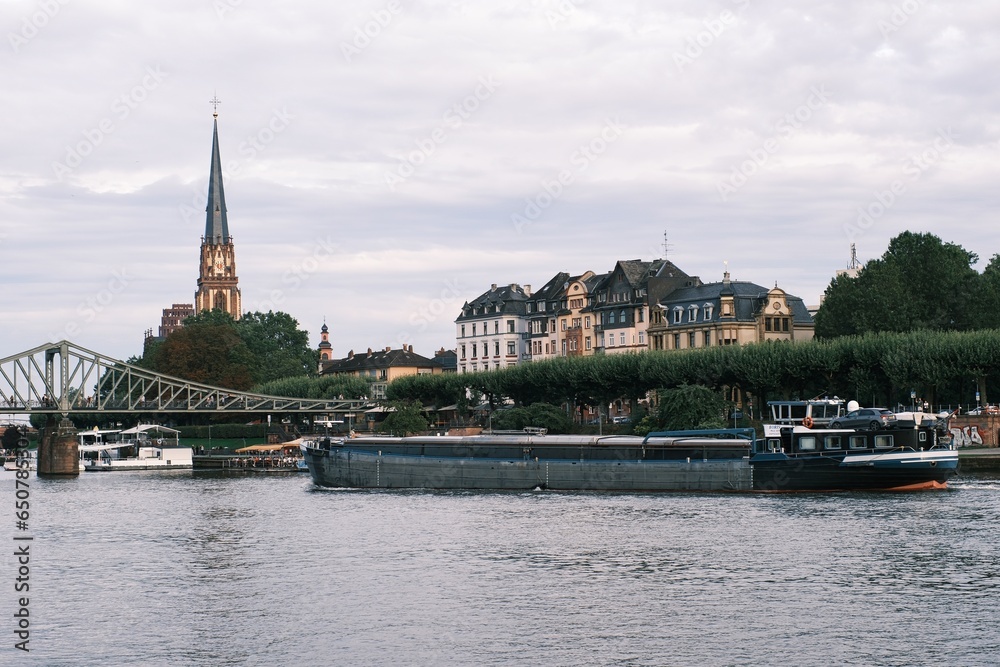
(58, 449)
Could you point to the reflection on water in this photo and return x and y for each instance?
(204, 569)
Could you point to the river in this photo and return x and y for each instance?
(201, 568)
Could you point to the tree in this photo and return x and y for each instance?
(256, 349)
(279, 348)
(686, 407)
(208, 353)
(405, 418)
(540, 415)
(919, 283)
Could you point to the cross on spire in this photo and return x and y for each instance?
(215, 102)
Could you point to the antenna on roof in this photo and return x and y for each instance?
(854, 258)
(666, 246)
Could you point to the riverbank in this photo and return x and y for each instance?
(980, 459)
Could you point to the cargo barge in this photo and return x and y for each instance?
(787, 458)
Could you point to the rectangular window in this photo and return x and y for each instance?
(883, 441)
(677, 341)
(586, 322)
(463, 331)
(622, 340)
(563, 321)
(708, 338)
(611, 340)
(496, 348)
(510, 326)
(691, 339)
(831, 442)
(473, 329)
(496, 326)
(859, 442)
(767, 324)
(642, 338)
(641, 314)
(784, 324)
(474, 347)
(463, 350)
(807, 443)
(510, 348)
(587, 342)
(774, 445)
(922, 436)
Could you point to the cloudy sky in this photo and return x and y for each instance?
(387, 161)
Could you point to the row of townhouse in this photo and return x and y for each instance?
(638, 305)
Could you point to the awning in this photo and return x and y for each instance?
(264, 448)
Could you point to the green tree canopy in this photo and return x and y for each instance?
(404, 419)
(920, 282)
(214, 348)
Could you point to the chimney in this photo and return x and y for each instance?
(350, 355)
(387, 348)
(493, 287)
(369, 352)
(527, 290)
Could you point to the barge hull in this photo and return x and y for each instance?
(362, 469)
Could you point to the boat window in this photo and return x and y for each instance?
(922, 436)
(859, 442)
(774, 444)
(883, 441)
(807, 442)
(831, 442)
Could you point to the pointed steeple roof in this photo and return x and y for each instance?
(216, 223)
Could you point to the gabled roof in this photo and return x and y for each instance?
(216, 223)
(380, 359)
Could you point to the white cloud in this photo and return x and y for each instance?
(563, 69)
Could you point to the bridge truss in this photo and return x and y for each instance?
(64, 378)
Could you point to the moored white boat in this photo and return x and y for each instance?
(145, 447)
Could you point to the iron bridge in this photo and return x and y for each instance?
(64, 378)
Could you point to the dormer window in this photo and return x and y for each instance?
(692, 313)
(623, 318)
(707, 312)
(678, 314)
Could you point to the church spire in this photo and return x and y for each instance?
(216, 223)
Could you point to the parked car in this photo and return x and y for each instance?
(871, 418)
(984, 410)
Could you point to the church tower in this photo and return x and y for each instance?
(218, 286)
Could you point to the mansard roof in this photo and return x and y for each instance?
(503, 300)
(216, 222)
(748, 299)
